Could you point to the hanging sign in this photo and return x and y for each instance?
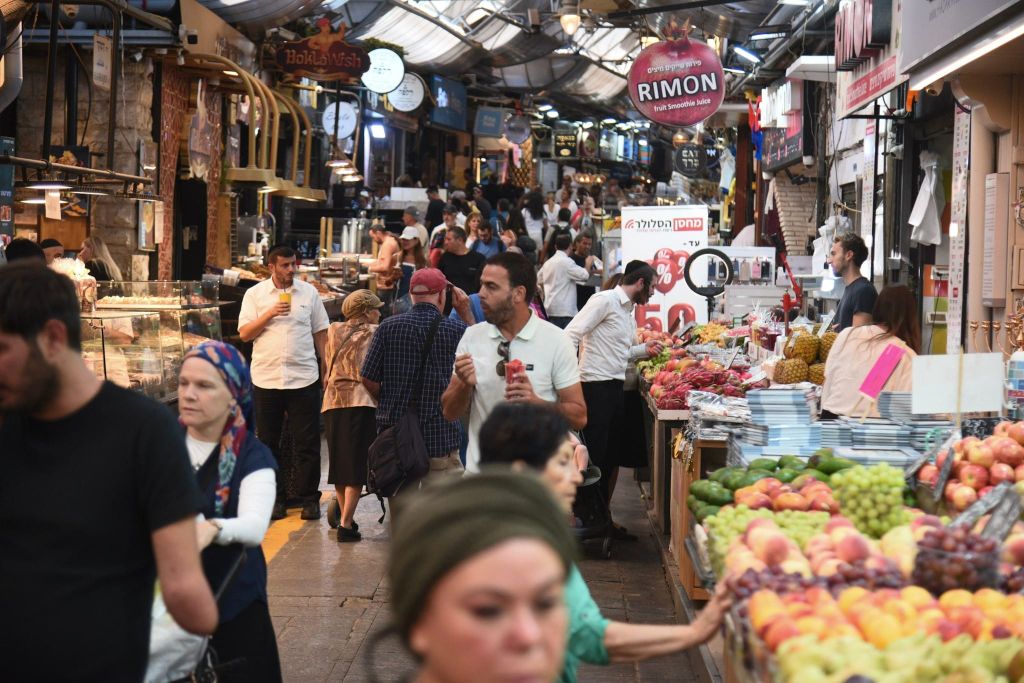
(386, 71)
(565, 143)
(101, 59)
(664, 237)
(588, 144)
(867, 65)
(677, 82)
(863, 28)
(518, 129)
(344, 114)
(688, 159)
(324, 56)
(409, 94)
(6, 189)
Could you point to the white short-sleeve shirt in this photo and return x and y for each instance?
(550, 360)
(283, 354)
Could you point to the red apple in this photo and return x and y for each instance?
(974, 476)
(981, 454)
(1007, 451)
(962, 445)
(984, 492)
(951, 486)
(963, 497)
(928, 474)
(1016, 432)
(1002, 429)
(1001, 472)
(1018, 473)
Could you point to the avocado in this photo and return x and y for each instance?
(718, 474)
(829, 464)
(734, 480)
(754, 476)
(719, 496)
(700, 487)
(786, 475)
(819, 475)
(707, 511)
(692, 502)
(792, 462)
(762, 464)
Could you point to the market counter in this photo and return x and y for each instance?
(691, 461)
(661, 427)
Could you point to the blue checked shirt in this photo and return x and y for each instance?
(392, 359)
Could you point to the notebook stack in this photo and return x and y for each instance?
(925, 429)
(835, 433)
(789, 406)
(878, 432)
(795, 436)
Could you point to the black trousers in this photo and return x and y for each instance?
(303, 409)
(249, 637)
(605, 412)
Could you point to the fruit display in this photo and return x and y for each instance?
(784, 484)
(732, 522)
(802, 345)
(827, 340)
(955, 557)
(792, 371)
(872, 497)
(885, 616)
(764, 545)
(712, 332)
(669, 389)
(916, 658)
(979, 465)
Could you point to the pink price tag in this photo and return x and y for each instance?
(881, 372)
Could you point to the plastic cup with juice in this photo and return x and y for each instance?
(513, 368)
(285, 298)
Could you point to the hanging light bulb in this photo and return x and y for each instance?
(569, 16)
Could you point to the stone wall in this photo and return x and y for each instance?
(113, 220)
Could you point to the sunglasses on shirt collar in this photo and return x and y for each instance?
(504, 354)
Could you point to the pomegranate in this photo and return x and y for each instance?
(677, 82)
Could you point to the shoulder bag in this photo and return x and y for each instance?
(398, 456)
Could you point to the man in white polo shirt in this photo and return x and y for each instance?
(286, 321)
(512, 332)
(558, 278)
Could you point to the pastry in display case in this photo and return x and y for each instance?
(125, 348)
(188, 313)
(157, 295)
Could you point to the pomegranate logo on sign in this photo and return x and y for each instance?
(677, 82)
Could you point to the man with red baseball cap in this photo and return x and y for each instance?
(389, 369)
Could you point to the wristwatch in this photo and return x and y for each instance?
(220, 527)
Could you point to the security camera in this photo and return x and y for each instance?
(188, 35)
(934, 88)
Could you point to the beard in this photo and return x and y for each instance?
(501, 312)
(642, 297)
(39, 382)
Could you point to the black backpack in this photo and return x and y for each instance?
(398, 456)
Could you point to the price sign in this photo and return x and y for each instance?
(947, 466)
(1005, 514)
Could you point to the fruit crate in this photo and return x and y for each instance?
(692, 461)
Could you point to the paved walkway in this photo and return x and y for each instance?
(329, 600)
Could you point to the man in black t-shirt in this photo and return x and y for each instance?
(858, 302)
(580, 254)
(435, 209)
(461, 266)
(77, 571)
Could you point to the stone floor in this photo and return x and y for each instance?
(329, 600)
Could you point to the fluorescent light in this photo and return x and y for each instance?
(608, 121)
(543, 107)
(979, 48)
(378, 131)
(48, 185)
(733, 70)
(37, 200)
(229, 72)
(798, 3)
(89, 191)
(748, 55)
(588, 124)
(766, 35)
(552, 114)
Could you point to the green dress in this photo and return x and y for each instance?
(586, 628)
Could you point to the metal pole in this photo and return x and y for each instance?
(874, 198)
(70, 99)
(51, 77)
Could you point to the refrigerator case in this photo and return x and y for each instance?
(125, 348)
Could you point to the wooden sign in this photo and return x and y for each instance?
(323, 57)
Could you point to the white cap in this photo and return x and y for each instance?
(410, 233)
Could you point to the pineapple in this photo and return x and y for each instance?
(791, 371)
(827, 340)
(804, 346)
(816, 373)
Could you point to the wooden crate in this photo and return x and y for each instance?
(701, 457)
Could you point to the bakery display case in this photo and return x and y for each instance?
(187, 314)
(157, 295)
(124, 347)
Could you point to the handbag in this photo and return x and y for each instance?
(399, 453)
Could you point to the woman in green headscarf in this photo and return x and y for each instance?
(477, 574)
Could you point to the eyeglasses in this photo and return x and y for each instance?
(503, 352)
